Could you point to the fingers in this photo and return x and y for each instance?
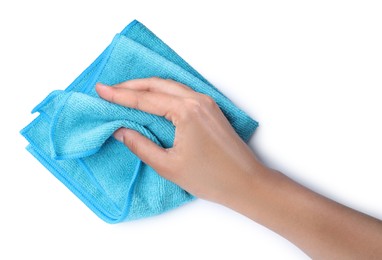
(155, 84)
(145, 149)
(157, 103)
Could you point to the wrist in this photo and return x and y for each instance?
(248, 190)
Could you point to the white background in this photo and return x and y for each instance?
(309, 71)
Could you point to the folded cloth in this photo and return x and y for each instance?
(72, 136)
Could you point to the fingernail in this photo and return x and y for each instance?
(118, 135)
(101, 85)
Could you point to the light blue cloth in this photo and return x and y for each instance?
(72, 136)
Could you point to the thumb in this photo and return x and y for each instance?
(145, 149)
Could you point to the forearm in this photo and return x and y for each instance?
(321, 227)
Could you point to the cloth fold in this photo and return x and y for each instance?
(72, 136)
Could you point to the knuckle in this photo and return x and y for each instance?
(139, 99)
(113, 96)
(197, 106)
(191, 107)
(207, 101)
(131, 145)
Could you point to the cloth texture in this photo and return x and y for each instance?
(72, 135)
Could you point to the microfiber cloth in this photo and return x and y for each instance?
(72, 136)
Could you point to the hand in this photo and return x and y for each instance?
(208, 158)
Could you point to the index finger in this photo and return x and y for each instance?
(156, 103)
(156, 84)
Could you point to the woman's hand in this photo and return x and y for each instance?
(208, 158)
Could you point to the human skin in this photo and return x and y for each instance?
(209, 160)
